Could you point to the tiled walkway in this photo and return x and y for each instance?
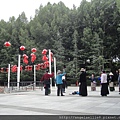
(35, 103)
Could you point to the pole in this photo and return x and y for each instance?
(50, 67)
(18, 72)
(34, 76)
(55, 69)
(8, 75)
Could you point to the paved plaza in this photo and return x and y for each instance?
(35, 103)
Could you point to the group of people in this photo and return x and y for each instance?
(59, 80)
(105, 81)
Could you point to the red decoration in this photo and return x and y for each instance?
(21, 68)
(34, 50)
(44, 52)
(38, 67)
(44, 58)
(7, 44)
(14, 68)
(28, 68)
(42, 66)
(46, 63)
(33, 57)
(25, 59)
(22, 48)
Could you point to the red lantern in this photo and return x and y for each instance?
(22, 48)
(33, 57)
(34, 50)
(29, 68)
(25, 59)
(44, 58)
(44, 52)
(14, 68)
(46, 63)
(38, 67)
(42, 66)
(7, 44)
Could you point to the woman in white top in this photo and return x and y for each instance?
(104, 84)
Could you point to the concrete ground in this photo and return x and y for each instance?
(35, 103)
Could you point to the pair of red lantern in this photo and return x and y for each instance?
(45, 58)
(25, 58)
(14, 68)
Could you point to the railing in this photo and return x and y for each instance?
(23, 86)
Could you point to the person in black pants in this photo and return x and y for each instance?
(46, 80)
(59, 83)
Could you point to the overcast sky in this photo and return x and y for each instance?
(9, 8)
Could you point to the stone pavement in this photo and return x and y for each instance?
(35, 103)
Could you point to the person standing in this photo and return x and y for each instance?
(59, 82)
(111, 81)
(82, 83)
(116, 74)
(119, 81)
(46, 81)
(64, 83)
(93, 82)
(104, 84)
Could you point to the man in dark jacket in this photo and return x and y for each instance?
(46, 80)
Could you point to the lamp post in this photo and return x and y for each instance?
(44, 58)
(32, 60)
(22, 48)
(8, 44)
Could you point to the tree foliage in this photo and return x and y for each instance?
(87, 36)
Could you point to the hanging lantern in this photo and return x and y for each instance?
(44, 52)
(34, 50)
(25, 58)
(24, 55)
(14, 68)
(38, 67)
(22, 48)
(7, 44)
(44, 58)
(46, 63)
(33, 57)
(29, 67)
(42, 66)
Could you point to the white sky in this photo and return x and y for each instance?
(9, 8)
